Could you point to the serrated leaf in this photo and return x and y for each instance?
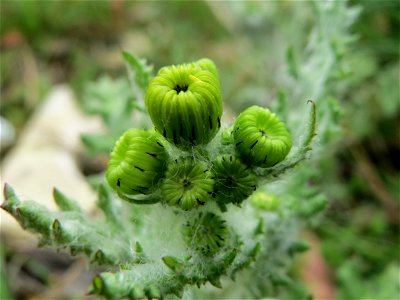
(136, 293)
(138, 248)
(173, 263)
(256, 249)
(139, 72)
(300, 154)
(298, 247)
(65, 203)
(281, 280)
(153, 292)
(98, 143)
(109, 207)
(215, 282)
(229, 257)
(178, 292)
(292, 63)
(11, 199)
(314, 205)
(260, 229)
(97, 285)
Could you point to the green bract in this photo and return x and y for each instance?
(234, 181)
(184, 103)
(137, 163)
(261, 139)
(187, 184)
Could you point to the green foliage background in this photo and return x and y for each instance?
(275, 54)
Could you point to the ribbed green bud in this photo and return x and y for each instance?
(234, 182)
(137, 163)
(206, 234)
(187, 184)
(264, 201)
(184, 103)
(227, 136)
(261, 139)
(207, 64)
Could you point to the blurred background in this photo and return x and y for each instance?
(65, 93)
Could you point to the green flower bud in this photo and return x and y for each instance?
(261, 139)
(227, 136)
(137, 163)
(206, 234)
(187, 184)
(265, 201)
(234, 182)
(184, 103)
(207, 64)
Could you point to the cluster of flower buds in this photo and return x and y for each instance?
(185, 106)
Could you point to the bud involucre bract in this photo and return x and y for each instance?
(184, 103)
(137, 163)
(234, 181)
(260, 138)
(187, 183)
(206, 234)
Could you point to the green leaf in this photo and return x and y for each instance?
(216, 282)
(65, 203)
(152, 292)
(295, 157)
(173, 263)
(101, 143)
(292, 63)
(109, 206)
(11, 199)
(298, 247)
(97, 285)
(139, 72)
(137, 293)
(314, 205)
